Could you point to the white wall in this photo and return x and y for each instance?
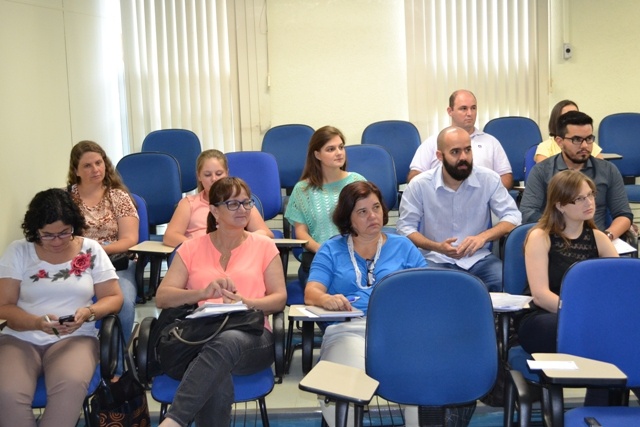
(602, 74)
(339, 63)
(54, 91)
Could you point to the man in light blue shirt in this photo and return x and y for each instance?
(446, 211)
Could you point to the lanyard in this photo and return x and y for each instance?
(370, 269)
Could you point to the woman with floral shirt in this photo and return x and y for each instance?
(52, 272)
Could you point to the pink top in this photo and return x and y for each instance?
(198, 215)
(246, 266)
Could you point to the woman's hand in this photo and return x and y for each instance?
(216, 287)
(336, 302)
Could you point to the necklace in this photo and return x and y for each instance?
(371, 279)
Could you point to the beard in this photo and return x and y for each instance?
(454, 170)
(577, 158)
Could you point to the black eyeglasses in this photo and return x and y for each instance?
(582, 199)
(578, 140)
(61, 236)
(371, 279)
(234, 205)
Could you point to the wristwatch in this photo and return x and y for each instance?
(91, 318)
(609, 235)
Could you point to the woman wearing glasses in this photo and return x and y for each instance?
(347, 267)
(564, 235)
(227, 265)
(190, 217)
(52, 272)
(111, 217)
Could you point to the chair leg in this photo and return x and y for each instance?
(263, 412)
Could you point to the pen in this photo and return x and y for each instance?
(353, 299)
(55, 331)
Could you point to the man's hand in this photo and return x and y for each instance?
(469, 246)
(446, 248)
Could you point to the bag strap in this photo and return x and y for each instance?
(175, 331)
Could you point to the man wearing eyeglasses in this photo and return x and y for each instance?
(575, 139)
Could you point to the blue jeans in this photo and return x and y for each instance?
(488, 269)
(206, 390)
(127, 314)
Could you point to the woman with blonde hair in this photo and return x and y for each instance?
(190, 217)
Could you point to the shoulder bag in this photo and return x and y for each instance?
(178, 340)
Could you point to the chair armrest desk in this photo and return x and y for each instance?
(157, 252)
(343, 383)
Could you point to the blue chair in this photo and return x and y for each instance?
(400, 138)
(109, 345)
(156, 178)
(617, 134)
(529, 161)
(376, 165)
(182, 144)
(606, 289)
(260, 171)
(246, 387)
(441, 354)
(516, 134)
(143, 236)
(288, 144)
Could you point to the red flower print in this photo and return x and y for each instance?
(42, 274)
(80, 263)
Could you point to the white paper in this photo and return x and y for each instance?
(561, 365)
(504, 302)
(214, 309)
(623, 247)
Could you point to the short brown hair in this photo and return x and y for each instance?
(347, 200)
(221, 190)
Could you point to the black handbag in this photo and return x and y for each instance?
(120, 261)
(178, 340)
(121, 403)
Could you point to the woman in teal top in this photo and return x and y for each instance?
(314, 198)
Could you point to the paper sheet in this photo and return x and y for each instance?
(562, 365)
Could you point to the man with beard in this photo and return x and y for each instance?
(575, 139)
(488, 152)
(445, 211)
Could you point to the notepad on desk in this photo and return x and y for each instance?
(503, 302)
(321, 312)
(216, 308)
(623, 247)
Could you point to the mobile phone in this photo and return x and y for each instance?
(69, 318)
(592, 422)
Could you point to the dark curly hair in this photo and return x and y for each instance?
(49, 206)
(347, 200)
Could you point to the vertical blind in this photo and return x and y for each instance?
(487, 46)
(182, 68)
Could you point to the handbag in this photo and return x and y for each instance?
(178, 340)
(121, 403)
(120, 261)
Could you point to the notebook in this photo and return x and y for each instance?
(214, 309)
(321, 312)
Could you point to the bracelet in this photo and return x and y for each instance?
(609, 234)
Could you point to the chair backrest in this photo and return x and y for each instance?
(376, 165)
(260, 171)
(431, 339)
(618, 133)
(598, 316)
(143, 226)
(288, 143)
(529, 161)
(400, 138)
(516, 134)
(182, 144)
(156, 178)
(514, 274)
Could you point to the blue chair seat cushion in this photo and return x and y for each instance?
(619, 416)
(295, 293)
(633, 193)
(246, 387)
(518, 361)
(40, 396)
